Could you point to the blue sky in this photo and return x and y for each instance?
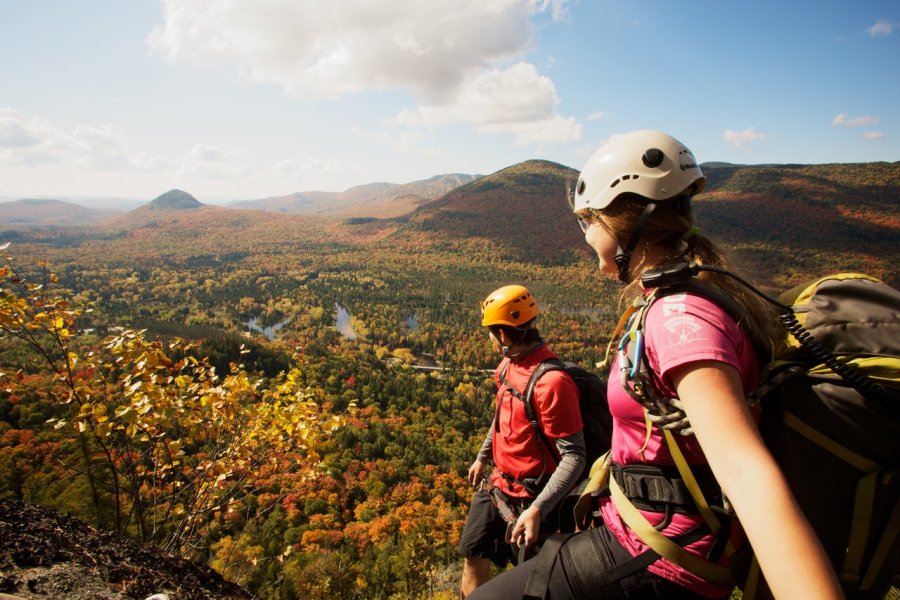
(241, 100)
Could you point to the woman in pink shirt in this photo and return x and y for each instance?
(633, 201)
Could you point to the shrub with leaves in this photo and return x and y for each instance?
(166, 441)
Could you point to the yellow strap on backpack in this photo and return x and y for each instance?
(859, 528)
(597, 480)
(684, 469)
(891, 532)
(860, 462)
(751, 585)
(863, 504)
(663, 545)
(615, 337)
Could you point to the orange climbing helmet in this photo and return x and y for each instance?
(511, 305)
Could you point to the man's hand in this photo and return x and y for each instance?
(476, 472)
(527, 526)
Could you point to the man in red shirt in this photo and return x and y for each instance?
(533, 470)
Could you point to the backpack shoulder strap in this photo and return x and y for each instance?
(552, 364)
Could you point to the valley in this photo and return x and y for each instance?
(343, 309)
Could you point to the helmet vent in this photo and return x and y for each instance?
(623, 178)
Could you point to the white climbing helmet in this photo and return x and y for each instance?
(648, 163)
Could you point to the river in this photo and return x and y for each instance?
(270, 332)
(343, 321)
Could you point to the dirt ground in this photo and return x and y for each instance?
(44, 554)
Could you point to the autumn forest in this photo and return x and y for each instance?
(295, 399)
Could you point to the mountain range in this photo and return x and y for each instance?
(375, 199)
(777, 220)
(33, 212)
(383, 200)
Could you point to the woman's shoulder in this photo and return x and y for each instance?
(688, 302)
(689, 320)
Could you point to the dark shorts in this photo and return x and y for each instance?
(580, 572)
(484, 535)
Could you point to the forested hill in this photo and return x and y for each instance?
(788, 221)
(374, 199)
(825, 217)
(30, 213)
(521, 208)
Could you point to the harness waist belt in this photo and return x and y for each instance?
(651, 484)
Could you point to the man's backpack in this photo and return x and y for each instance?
(831, 418)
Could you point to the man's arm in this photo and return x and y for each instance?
(564, 478)
(476, 471)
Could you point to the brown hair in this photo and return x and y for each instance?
(670, 236)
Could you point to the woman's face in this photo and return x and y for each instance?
(600, 238)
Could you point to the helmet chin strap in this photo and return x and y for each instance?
(623, 257)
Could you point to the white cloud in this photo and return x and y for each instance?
(739, 138)
(434, 49)
(30, 140)
(210, 154)
(514, 95)
(304, 165)
(16, 132)
(405, 141)
(552, 130)
(33, 141)
(149, 163)
(101, 147)
(214, 162)
(318, 49)
(558, 8)
(882, 27)
(873, 135)
(515, 100)
(841, 120)
(596, 116)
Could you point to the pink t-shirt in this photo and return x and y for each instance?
(679, 329)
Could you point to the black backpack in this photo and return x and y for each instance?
(837, 437)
